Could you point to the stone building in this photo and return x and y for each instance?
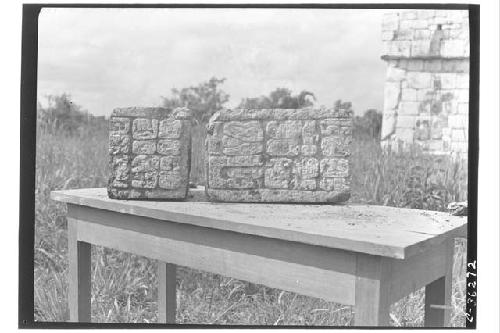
(426, 95)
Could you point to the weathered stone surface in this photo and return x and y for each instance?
(278, 173)
(459, 121)
(144, 128)
(306, 184)
(144, 179)
(309, 167)
(409, 95)
(144, 171)
(144, 147)
(274, 155)
(250, 131)
(118, 125)
(309, 113)
(406, 121)
(429, 86)
(326, 184)
(289, 129)
(334, 167)
(286, 147)
(169, 180)
(170, 163)
(309, 150)
(169, 147)
(144, 163)
(239, 138)
(392, 96)
(442, 30)
(244, 172)
(279, 196)
(335, 146)
(310, 134)
(170, 129)
(120, 167)
(149, 153)
(241, 148)
(119, 144)
(244, 160)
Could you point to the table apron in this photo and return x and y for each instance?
(315, 271)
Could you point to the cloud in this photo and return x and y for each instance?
(107, 58)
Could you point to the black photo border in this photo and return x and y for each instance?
(28, 117)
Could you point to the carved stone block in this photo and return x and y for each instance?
(149, 151)
(279, 155)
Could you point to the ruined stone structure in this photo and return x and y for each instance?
(426, 97)
(149, 153)
(280, 155)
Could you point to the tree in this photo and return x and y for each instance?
(61, 114)
(369, 125)
(203, 100)
(280, 98)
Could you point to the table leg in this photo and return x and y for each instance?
(79, 292)
(372, 301)
(166, 292)
(438, 294)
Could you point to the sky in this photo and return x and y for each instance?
(108, 58)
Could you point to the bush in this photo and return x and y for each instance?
(368, 126)
(62, 116)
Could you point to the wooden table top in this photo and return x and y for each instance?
(378, 230)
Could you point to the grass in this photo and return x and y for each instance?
(124, 285)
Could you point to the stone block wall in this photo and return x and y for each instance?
(426, 95)
(279, 155)
(149, 153)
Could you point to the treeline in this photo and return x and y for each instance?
(367, 126)
(62, 115)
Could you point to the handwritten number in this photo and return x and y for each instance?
(471, 299)
(471, 284)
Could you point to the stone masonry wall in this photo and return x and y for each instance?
(149, 152)
(265, 155)
(426, 95)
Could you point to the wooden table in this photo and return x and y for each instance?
(360, 255)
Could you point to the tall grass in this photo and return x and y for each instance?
(124, 285)
(198, 134)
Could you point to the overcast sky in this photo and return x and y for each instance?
(107, 58)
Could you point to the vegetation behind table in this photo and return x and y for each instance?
(72, 153)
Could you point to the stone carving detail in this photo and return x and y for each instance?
(279, 155)
(149, 152)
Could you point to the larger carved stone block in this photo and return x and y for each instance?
(149, 153)
(279, 155)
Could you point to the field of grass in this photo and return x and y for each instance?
(124, 285)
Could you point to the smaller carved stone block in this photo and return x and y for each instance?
(149, 151)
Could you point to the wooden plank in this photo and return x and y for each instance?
(439, 293)
(309, 270)
(377, 230)
(167, 300)
(79, 289)
(372, 297)
(417, 271)
(295, 252)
